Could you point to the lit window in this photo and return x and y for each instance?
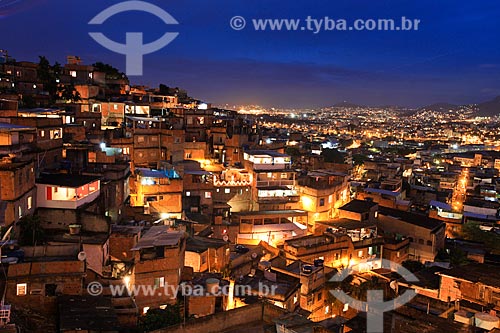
(91, 75)
(72, 73)
(284, 176)
(22, 289)
(360, 253)
(188, 194)
(115, 106)
(20, 211)
(227, 190)
(42, 134)
(208, 195)
(160, 282)
(145, 309)
(30, 202)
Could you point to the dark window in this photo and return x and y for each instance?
(160, 251)
(421, 241)
(50, 289)
(321, 202)
(429, 243)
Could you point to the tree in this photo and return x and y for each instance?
(161, 318)
(110, 71)
(69, 93)
(30, 231)
(333, 156)
(472, 231)
(48, 75)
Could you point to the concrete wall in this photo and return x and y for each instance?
(220, 322)
(60, 219)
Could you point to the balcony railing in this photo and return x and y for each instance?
(292, 198)
(228, 183)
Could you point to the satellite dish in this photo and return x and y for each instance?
(82, 256)
(254, 255)
(225, 238)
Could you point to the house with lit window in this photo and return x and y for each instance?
(66, 191)
(17, 191)
(272, 227)
(427, 235)
(322, 192)
(233, 186)
(274, 184)
(47, 144)
(36, 282)
(198, 189)
(205, 254)
(159, 258)
(159, 191)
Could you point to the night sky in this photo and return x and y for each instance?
(454, 57)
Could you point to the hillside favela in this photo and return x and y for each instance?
(242, 180)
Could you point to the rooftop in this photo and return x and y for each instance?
(292, 212)
(6, 127)
(92, 313)
(66, 180)
(475, 273)
(271, 153)
(159, 236)
(201, 244)
(349, 224)
(358, 206)
(419, 220)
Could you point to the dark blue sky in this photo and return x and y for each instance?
(454, 57)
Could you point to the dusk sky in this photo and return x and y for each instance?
(453, 57)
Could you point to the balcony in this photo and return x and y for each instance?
(368, 242)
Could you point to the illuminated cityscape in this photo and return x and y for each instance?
(203, 191)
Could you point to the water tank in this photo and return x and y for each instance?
(318, 262)
(213, 286)
(486, 321)
(307, 269)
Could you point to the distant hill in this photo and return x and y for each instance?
(347, 105)
(440, 107)
(490, 108)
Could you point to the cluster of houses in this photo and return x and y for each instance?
(129, 186)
